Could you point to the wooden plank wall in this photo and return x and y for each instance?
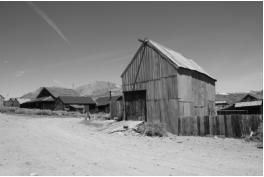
(224, 125)
(116, 108)
(171, 98)
(153, 67)
(238, 125)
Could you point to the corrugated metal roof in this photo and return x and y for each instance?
(76, 100)
(56, 91)
(248, 103)
(177, 58)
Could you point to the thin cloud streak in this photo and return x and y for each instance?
(46, 18)
(20, 73)
(126, 57)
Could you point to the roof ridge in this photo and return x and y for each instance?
(177, 58)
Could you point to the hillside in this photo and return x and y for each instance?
(98, 88)
(94, 89)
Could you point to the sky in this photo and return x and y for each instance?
(68, 44)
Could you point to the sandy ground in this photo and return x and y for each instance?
(67, 146)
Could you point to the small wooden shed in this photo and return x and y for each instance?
(103, 104)
(112, 105)
(162, 86)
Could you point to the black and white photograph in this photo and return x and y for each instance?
(131, 88)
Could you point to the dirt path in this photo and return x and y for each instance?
(66, 146)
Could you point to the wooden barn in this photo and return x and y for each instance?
(47, 97)
(75, 103)
(162, 86)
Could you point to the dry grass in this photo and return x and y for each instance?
(24, 111)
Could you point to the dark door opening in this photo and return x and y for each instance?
(135, 105)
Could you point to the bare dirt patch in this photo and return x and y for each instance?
(70, 146)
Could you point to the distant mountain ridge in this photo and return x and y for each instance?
(102, 88)
(93, 89)
(98, 88)
(231, 98)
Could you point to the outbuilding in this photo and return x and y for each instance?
(162, 86)
(112, 105)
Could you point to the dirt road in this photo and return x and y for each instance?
(67, 146)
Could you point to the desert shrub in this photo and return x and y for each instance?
(153, 129)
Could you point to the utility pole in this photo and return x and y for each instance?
(110, 103)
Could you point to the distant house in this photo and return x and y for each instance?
(47, 97)
(249, 104)
(75, 103)
(2, 99)
(103, 104)
(12, 102)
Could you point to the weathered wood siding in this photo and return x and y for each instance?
(116, 108)
(170, 94)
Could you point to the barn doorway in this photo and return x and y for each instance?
(135, 105)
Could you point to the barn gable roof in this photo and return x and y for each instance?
(57, 91)
(175, 58)
(76, 100)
